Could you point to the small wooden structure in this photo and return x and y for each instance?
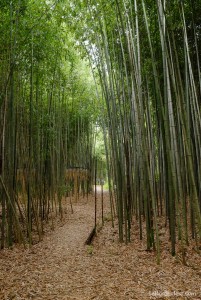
(77, 175)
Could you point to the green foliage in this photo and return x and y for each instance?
(100, 154)
(148, 61)
(47, 100)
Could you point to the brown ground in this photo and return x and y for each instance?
(62, 267)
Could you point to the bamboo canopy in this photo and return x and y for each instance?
(141, 85)
(148, 62)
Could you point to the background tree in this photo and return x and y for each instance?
(47, 115)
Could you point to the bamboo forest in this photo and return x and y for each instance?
(100, 149)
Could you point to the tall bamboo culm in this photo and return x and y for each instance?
(148, 60)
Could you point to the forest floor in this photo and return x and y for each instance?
(63, 267)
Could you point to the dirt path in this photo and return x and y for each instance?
(62, 267)
(54, 268)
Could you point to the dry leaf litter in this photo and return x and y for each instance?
(62, 267)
